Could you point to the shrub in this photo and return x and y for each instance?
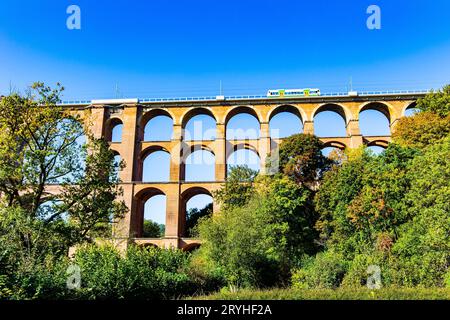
(357, 275)
(40, 280)
(326, 270)
(142, 273)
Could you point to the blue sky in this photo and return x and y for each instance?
(185, 48)
(163, 48)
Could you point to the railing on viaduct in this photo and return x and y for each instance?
(133, 114)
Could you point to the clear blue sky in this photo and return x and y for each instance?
(184, 48)
(163, 48)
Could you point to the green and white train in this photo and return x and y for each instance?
(281, 93)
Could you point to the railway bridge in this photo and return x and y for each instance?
(132, 115)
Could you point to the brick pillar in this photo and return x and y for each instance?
(354, 133)
(96, 121)
(308, 127)
(173, 209)
(129, 142)
(264, 145)
(220, 153)
(175, 154)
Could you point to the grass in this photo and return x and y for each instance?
(329, 294)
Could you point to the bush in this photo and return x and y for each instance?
(40, 280)
(325, 271)
(142, 273)
(357, 275)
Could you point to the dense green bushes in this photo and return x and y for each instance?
(105, 273)
(392, 211)
(266, 223)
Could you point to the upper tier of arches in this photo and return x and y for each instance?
(178, 120)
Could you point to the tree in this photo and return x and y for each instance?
(437, 102)
(256, 244)
(300, 158)
(152, 229)
(40, 147)
(421, 130)
(362, 202)
(238, 187)
(423, 247)
(193, 216)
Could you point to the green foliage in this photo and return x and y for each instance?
(421, 130)
(301, 159)
(424, 241)
(193, 216)
(238, 188)
(437, 102)
(5, 292)
(39, 146)
(106, 273)
(362, 202)
(325, 271)
(356, 275)
(142, 273)
(152, 229)
(392, 211)
(256, 244)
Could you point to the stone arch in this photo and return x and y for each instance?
(185, 197)
(299, 112)
(383, 108)
(378, 143)
(386, 109)
(141, 198)
(242, 110)
(408, 106)
(193, 113)
(331, 125)
(110, 125)
(191, 247)
(147, 152)
(244, 147)
(288, 125)
(334, 107)
(334, 144)
(149, 115)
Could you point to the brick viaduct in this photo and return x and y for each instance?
(102, 116)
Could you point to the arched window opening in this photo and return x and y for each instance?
(330, 121)
(198, 206)
(373, 123)
(244, 157)
(285, 124)
(243, 126)
(201, 127)
(159, 128)
(376, 150)
(116, 131)
(156, 167)
(154, 217)
(200, 166)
